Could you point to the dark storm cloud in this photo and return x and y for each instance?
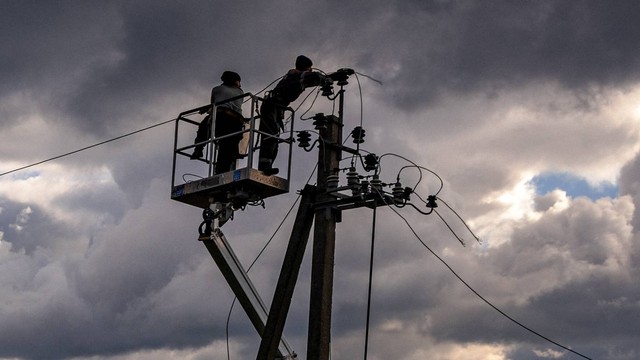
(613, 305)
(444, 46)
(42, 43)
(157, 44)
(102, 65)
(585, 247)
(131, 289)
(47, 47)
(28, 226)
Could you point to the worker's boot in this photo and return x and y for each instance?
(264, 165)
(271, 171)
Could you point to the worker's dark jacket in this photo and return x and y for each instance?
(293, 84)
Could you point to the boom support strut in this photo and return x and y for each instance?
(243, 288)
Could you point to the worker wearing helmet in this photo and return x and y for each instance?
(272, 109)
(229, 120)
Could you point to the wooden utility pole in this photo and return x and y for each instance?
(324, 238)
(319, 336)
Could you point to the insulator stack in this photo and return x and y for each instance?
(332, 181)
(431, 202)
(353, 180)
(364, 187)
(376, 184)
(407, 193)
(304, 139)
(327, 89)
(358, 135)
(320, 121)
(370, 162)
(398, 192)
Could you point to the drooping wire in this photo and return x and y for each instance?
(86, 148)
(285, 122)
(184, 177)
(461, 219)
(226, 328)
(369, 77)
(444, 221)
(268, 86)
(418, 167)
(426, 169)
(106, 141)
(437, 192)
(310, 106)
(480, 296)
(361, 100)
(449, 227)
(250, 266)
(122, 136)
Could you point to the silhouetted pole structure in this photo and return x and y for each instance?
(324, 238)
(318, 204)
(288, 276)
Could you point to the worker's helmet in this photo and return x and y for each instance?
(230, 77)
(303, 63)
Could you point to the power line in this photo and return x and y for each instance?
(86, 148)
(461, 219)
(480, 296)
(106, 141)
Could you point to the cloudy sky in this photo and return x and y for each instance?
(529, 111)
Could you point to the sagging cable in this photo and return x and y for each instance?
(450, 229)
(462, 220)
